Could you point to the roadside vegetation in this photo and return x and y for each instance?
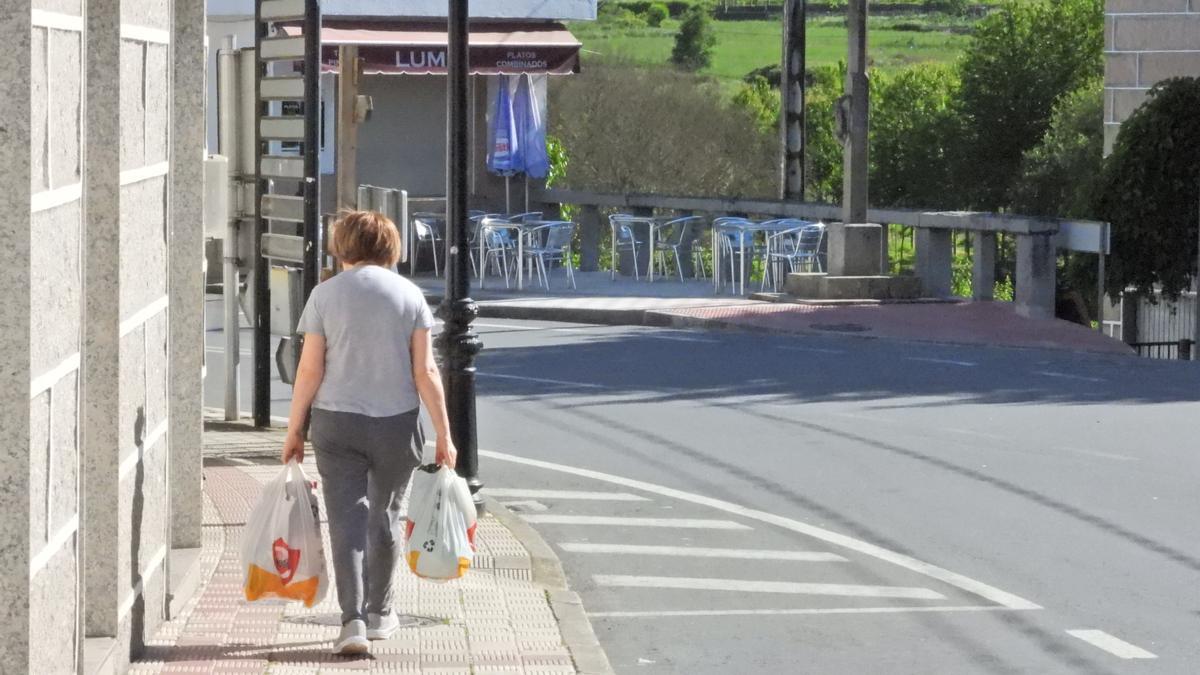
(993, 108)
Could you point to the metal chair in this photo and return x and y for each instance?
(680, 233)
(551, 243)
(426, 229)
(476, 218)
(498, 246)
(798, 246)
(623, 239)
(732, 240)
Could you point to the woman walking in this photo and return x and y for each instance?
(366, 367)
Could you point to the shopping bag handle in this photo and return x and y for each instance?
(429, 468)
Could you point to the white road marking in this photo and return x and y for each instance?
(753, 586)
(1112, 645)
(815, 350)
(1068, 376)
(621, 521)
(542, 380)
(1096, 453)
(990, 593)
(949, 362)
(656, 614)
(519, 493)
(676, 338)
(528, 505)
(697, 552)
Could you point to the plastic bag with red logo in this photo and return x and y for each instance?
(440, 531)
(282, 556)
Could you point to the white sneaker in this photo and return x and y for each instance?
(353, 639)
(382, 626)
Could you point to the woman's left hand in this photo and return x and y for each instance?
(293, 448)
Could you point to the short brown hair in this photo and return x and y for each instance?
(365, 236)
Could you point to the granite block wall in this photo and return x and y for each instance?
(99, 313)
(1146, 41)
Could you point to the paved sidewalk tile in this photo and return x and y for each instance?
(494, 620)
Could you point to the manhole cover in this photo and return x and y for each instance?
(841, 327)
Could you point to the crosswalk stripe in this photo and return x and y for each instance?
(1112, 645)
(754, 586)
(682, 523)
(520, 493)
(697, 552)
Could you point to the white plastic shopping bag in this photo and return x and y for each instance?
(282, 556)
(441, 524)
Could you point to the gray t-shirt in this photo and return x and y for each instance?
(367, 315)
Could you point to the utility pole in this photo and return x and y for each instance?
(349, 69)
(792, 90)
(457, 344)
(855, 114)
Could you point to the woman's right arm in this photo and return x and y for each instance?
(428, 379)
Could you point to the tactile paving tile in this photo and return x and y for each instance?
(494, 620)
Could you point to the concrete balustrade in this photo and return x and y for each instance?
(854, 249)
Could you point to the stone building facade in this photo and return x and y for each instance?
(102, 139)
(1146, 41)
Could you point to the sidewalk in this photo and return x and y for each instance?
(508, 615)
(693, 304)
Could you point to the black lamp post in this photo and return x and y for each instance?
(457, 344)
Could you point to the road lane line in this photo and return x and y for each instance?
(677, 338)
(988, 592)
(815, 350)
(521, 493)
(1068, 376)
(754, 586)
(1113, 645)
(698, 552)
(543, 380)
(948, 362)
(631, 521)
(656, 614)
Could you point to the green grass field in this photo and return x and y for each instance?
(743, 46)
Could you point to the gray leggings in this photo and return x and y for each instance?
(365, 463)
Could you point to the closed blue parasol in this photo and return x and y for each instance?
(530, 122)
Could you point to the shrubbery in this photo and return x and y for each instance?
(695, 41)
(1150, 192)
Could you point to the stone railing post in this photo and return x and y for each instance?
(935, 260)
(1036, 268)
(854, 249)
(983, 265)
(591, 230)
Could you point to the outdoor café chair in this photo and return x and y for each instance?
(476, 218)
(799, 247)
(624, 239)
(676, 233)
(427, 230)
(551, 243)
(735, 236)
(498, 245)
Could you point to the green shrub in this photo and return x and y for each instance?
(695, 40)
(1023, 57)
(913, 128)
(1150, 192)
(656, 14)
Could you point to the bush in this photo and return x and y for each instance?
(655, 14)
(1022, 59)
(1059, 174)
(618, 16)
(630, 129)
(762, 101)
(695, 41)
(913, 128)
(1150, 192)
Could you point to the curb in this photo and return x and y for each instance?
(547, 569)
(667, 318)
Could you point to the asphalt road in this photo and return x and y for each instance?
(728, 502)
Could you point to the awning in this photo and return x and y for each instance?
(419, 48)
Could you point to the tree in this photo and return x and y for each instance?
(695, 40)
(1022, 58)
(655, 14)
(625, 132)
(1059, 174)
(1150, 192)
(912, 131)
